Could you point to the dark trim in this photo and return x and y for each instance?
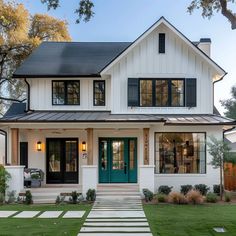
(169, 91)
(55, 76)
(162, 43)
(66, 82)
(28, 96)
(177, 31)
(181, 173)
(103, 81)
(5, 134)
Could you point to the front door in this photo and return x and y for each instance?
(62, 160)
(118, 160)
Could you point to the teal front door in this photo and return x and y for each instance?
(118, 160)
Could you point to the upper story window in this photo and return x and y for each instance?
(162, 43)
(99, 93)
(161, 92)
(66, 92)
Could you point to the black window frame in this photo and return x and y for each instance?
(103, 81)
(162, 43)
(181, 132)
(169, 92)
(66, 82)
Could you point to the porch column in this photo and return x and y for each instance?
(14, 146)
(90, 146)
(146, 146)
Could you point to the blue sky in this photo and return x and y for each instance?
(125, 20)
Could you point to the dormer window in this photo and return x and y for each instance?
(162, 43)
(66, 92)
(99, 93)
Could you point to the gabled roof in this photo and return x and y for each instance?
(193, 45)
(69, 59)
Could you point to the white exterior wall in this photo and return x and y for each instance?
(179, 61)
(2, 149)
(41, 94)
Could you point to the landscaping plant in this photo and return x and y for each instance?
(161, 197)
(177, 198)
(11, 197)
(164, 189)
(194, 197)
(211, 197)
(91, 195)
(147, 194)
(227, 197)
(184, 189)
(74, 197)
(202, 188)
(4, 178)
(216, 189)
(28, 198)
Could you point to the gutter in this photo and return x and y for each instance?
(28, 96)
(227, 130)
(5, 134)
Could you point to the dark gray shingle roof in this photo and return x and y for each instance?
(106, 116)
(61, 59)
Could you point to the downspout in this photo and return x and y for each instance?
(5, 134)
(28, 96)
(222, 77)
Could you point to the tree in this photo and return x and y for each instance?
(230, 104)
(20, 33)
(220, 152)
(209, 6)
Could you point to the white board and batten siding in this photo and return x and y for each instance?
(41, 94)
(179, 61)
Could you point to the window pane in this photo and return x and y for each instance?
(146, 93)
(71, 156)
(104, 155)
(73, 92)
(118, 155)
(58, 96)
(177, 92)
(99, 93)
(131, 154)
(54, 156)
(161, 92)
(180, 153)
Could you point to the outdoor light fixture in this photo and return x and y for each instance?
(39, 146)
(84, 146)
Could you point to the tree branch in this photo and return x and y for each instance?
(228, 13)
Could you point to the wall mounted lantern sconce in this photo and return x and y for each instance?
(84, 146)
(39, 146)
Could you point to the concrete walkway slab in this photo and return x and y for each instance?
(74, 214)
(27, 214)
(116, 214)
(50, 214)
(115, 234)
(6, 214)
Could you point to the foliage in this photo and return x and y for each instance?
(74, 197)
(28, 198)
(20, 33)
(59, 200)
(35, 176)
(91, 195)
(164, 189)
(84, 10)
(216, 189)
(4, 177)
(161, 197)
(208, 8)
(184, 189)
(148, 194)
(194, 197)
(11, 197)
(211, 197)
(2, 198)
(230, 104)
(227, 197)
(177, 198)
(202, 188)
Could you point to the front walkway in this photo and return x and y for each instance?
(116, 215)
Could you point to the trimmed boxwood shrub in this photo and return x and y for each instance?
(211, 197)
(147, 194)
(161, 197)
(216, 189)
(184, 189)
(202, 188)
(164, 189)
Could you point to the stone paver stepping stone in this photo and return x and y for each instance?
(116, 224)
(115, 234)
(116, 214)
(5, 214)
(115, 229)
(27, 214)
(50, 214)
(74, 214)
(117, 220)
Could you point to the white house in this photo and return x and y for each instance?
(125, 113)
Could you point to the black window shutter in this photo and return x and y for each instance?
(191, 92)
(162, 43)
(133, 92)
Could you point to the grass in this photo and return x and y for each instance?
(42, 227)
(189, 220)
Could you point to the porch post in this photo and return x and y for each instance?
(146, 146)
(90, 146)
(14, 146)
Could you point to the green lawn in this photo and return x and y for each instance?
(189, 220)
(44, 227)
